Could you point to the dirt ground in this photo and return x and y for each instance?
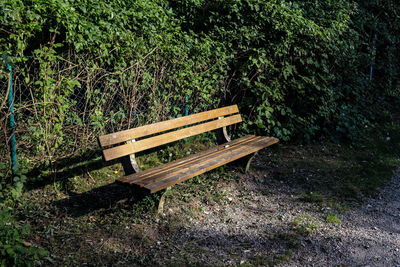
(272, 215)
(369, 235)
(267, 222)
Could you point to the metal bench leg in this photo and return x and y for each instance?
(223, 136)
(245, 162)
(160, 209)
(129, 163)
(248, 160)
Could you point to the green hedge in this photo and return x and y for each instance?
(298, 69)
(302, 68)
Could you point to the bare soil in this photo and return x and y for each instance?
(273, 215)
(264, 222)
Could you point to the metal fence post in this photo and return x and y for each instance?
(14, 166)
(186, 112)
(186, 106)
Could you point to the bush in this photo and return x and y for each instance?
(297, 69)
(100, 67)
(301, 68)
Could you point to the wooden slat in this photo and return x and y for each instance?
(193, 164)
(147, 173)
(162, 139)
(209, 165)
(122, 136)
(177, 168)
(162, 174)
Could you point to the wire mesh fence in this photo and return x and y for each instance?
(62, 108)
(4, 114)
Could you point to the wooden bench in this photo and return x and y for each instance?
(125, 144)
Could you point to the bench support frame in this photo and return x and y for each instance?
(160, 209)
(223, 136)
(247, 161)
(129, 162)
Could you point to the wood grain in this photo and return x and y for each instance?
(122, 136)
(191, 164)
(211, 164)
(147, 173)
(162, 139)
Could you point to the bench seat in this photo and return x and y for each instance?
(169, 174)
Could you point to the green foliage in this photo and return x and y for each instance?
(332, 218)
(131, 52)
(301, 68)
(313, 197)
(297, 69)
(11, 190)
(305, 225)
(13, 250)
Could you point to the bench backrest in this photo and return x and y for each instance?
(198, 123)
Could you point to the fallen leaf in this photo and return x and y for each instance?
(26, 243)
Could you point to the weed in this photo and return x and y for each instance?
(200, 179)
(305, 225)
(218, 196)
(332, 218)
(280, 258)
(186, 197)
(13, 250)
(292, 239)
(260, 261)
(341, 208)
(145, 205)
(189, 212)
(312, 197)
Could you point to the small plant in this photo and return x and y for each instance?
(305, 225)
(218, 196)
(145, 205)
(332, 218)
(312, 197)
(259, 261)
(341, 208)
(292, 239)
(13, 250)
(280, 258)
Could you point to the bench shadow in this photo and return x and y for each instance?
(104, 198)
(65, 168)
(79, 204)
(68, 167)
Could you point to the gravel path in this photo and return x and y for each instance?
(265, 222)
(368, 235)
